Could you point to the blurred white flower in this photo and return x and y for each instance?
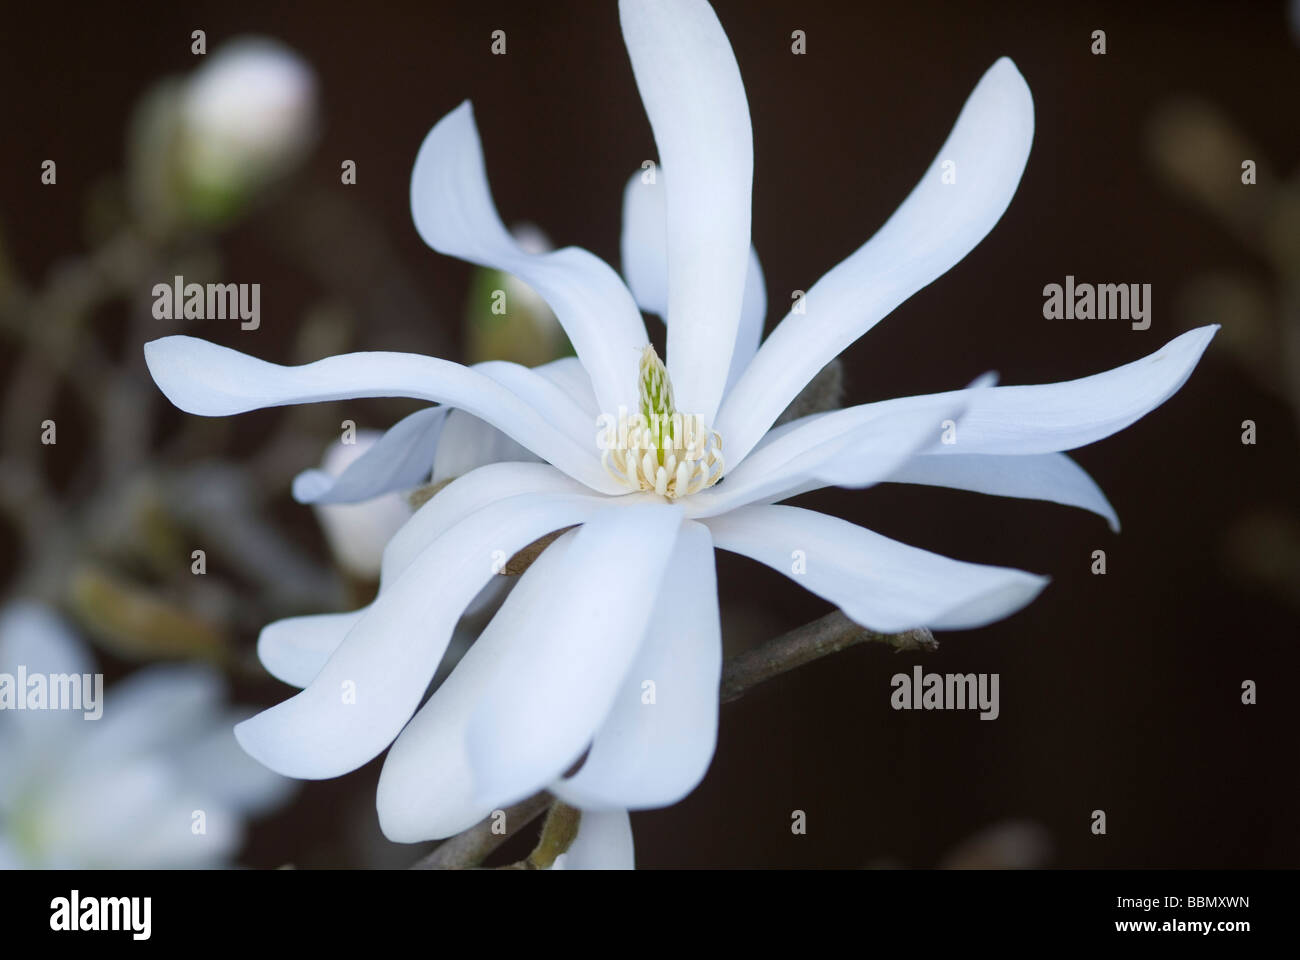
(157, 781)
(608, 650)
(358, 532)
(246, 115)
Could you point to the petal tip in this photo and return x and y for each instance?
(168, 365)
(310, 485)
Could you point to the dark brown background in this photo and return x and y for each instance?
(1118, 692)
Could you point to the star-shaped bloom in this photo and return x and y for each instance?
(608, 649)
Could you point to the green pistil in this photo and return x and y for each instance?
(656, 394)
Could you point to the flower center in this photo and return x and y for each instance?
(659, 448)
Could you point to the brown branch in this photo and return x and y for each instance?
(830, 634)
(469, 849)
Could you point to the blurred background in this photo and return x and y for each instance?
(1119, 692)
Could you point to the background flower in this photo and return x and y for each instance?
(156, 781)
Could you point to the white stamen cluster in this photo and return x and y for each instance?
(672, 455)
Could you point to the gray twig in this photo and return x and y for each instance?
(829, 634)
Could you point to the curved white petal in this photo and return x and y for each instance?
(857, 447)
(570, 375)
(213, 381)
(470, 492)
(295, 649)
(880, 583)
(695, 100)
(543, 393)
(372, 684)
(454, 213)
(551, 693)
(404, 456)
(604, 842)
(1051, 417)
(753, 313)
(1044, 476)
(656, 744)
(426, 789)
(1016, 421)
(469, 443)
(936, 226)
(400, 459)
(644, 245)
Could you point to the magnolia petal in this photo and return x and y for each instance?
(1051, 417)
(213, 381)
(295, 649)
(880, 583)
(471, 492)
(695, 100)
(857, 446)
(570, 375)
(643, 244)
(604, 842)
(934, 228)
(455, 215)
(426, 789)
(372, 684)
(404, 456)
(1045, 476)
(468, 443)
(550, 694)
(1016, 421)
(543, 393)
(652, 754)
(753, 313)
(400, 459)
(644, 247)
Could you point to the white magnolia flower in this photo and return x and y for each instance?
(610, 640)
(123, 790)
(247, 114)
